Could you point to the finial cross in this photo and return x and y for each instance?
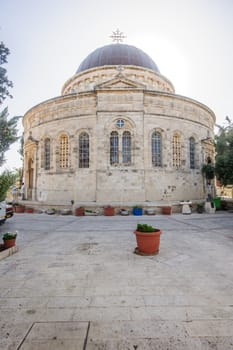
(117, 36)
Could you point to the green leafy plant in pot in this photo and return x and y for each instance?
(9, 239)
(148, 239)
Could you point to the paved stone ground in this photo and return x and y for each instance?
(75, 284)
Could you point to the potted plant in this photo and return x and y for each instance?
(80, 211)
(19, 208)
(9, 239)
(150, 211)
(167, 210)
(89, 212)
(65, 211)
(124, 212)
(137, 210)
(200, 207)
(51, 211)
(109, 211)
(29, 210)
(148, 239)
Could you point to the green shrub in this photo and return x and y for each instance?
(146, 228)
(9, 235)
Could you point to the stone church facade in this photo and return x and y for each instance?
(118, 134)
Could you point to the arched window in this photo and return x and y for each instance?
(84, 150)
(192, 152)
(156, 149)
(47, 154)
(176, 151)
(30, 173)
(114, 148)
(64, 152)
(126, 147)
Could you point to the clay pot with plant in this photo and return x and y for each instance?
(148, 239)
(167, 210)
(9, 239)
(19, 208)
(80, 211)
(109, 211)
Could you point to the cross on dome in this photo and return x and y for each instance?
(117, 36)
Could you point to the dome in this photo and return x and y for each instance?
(117, 54)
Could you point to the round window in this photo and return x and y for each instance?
(120, 123)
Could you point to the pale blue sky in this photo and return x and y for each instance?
(190, 41)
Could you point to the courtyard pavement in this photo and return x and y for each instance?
(76, 284)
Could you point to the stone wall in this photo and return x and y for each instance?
(96, 112)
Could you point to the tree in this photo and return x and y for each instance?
(224, 157)
(208, 170)
(8, 127)
(7, 179)
(5, 83)
(8, 133)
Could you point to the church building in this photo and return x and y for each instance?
(118, 135)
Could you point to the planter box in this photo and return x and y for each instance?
(19, 208)
(65, 211)
(124, 212)
(137, 211)
(109, 211)
(80, 211)
(50, 211)
(150, 211)
(29, 210)
(4, 253)
(167, 210)
(91, 213)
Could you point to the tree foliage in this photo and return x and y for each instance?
(8, 127)
(5, 83)
(8, 133)
(208, 170)
(224, 150)
(7, 179)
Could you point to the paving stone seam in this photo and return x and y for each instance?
(86, 338)
(24, 338)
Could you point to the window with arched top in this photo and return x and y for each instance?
(192, 152)
(156, 149)
(176, 151)
(114, 148)
(47, 153)
(126, 147)
(84, 150)
(64, 152)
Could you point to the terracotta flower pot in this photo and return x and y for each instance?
(29, 210)
(8, 243)
(167, 210)
(19, 208)
(80, 211)
(109, 211)
(148, 242)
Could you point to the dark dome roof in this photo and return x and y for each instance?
(117, 54)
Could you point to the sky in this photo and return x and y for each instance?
(189, 40)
